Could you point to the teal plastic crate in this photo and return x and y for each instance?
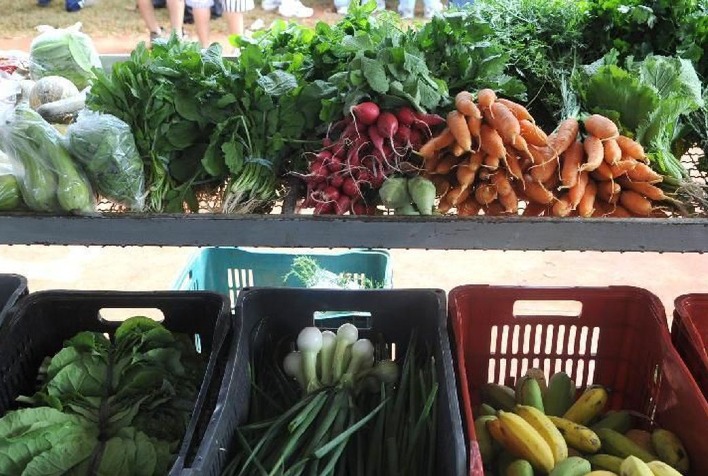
(227, 270)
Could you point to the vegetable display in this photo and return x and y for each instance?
(106, 407)
(335, 408)
(542, 427)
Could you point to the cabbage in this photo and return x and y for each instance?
(64, 52)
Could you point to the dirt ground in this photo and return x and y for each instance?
(152, 268)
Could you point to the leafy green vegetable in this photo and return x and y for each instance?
(107, 408)
(648, 99)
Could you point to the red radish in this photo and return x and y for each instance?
(334, 164)
(342, 204)
(360, 208)
(406, 116)
(377, 140)
(323, 208)
(327, 142)
(350, 133)
(336, 181)
(387, 125)
(365, 176)
(416, 139)
(367, 112)
(318, 172)
(330, 194)
(323, 156)
(430, 120)
(403, 134)
(354, 154)
(350, 187)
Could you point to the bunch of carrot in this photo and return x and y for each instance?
(360, 152)
(493, 158)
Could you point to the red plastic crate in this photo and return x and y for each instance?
(689, 333)
(617, 336)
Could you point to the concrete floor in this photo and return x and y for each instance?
(153, 268)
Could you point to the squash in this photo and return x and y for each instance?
(51, 89)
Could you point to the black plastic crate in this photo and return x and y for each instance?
(40, 323)
(394, 313)
(12, 288)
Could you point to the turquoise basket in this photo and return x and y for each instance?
(227, 270)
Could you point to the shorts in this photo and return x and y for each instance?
(228, 5)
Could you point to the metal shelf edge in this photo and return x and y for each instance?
(493, 233)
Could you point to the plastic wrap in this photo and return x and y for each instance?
(10, 198)
(64, 52)
(105, 147)
(48, 178)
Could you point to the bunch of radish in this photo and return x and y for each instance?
(360, 152)
(493, 158)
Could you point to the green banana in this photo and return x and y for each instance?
(659, 468)
(486, 410)
(504, 460)
(620, 421)
(530, 393)
(519, 467)
(633, 466)
(572, 466)
(670, 449)
(500, 397)
(606, 462)
(619, 445)
(484, 439)
(560, 394)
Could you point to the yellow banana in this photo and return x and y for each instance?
(577, 436)
(500, 397)
(530, 393)
(659, 468)
(640, 438)
(619, 445)
(525, 442)
(601, 472)
(633, 466)
(560, 394)
(573, 466)
(548, 431)
(589, 405)
(495, 430)
(605, 462)
(670, 449)
(484, 439)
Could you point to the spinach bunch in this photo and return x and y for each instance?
(171, 96)
(123, 405)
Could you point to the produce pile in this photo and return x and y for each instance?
(338, 405)
(542, 427)
(118, 407)
(341, 119)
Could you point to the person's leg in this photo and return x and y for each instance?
(432, 7)
(147, 12)
(406, 8)
(202, 17)
(176, 11)
(234, 20)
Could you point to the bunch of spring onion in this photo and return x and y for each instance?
(348, 417)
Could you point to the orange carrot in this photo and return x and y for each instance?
(532, 133)
(493, 209)
(631, 148)
(536, 192)
(457, 195)
(612, 151)
(485, 98)
(501, 181)
(519, 111)
(619, 212)
(506, 124)
(552, 182)
(442, 184)
(464, 103)
(446, 164)
(485, 194)
(622, 167)
(570, 169)
(635, 203)
(533, 209)
(609, 191)
(510, 202)
(644, 188)
(466, 173)
(444, 139)
(513, 165)
(601, 127)
(594, 153)
(469, 207)
(586, 206)
(432, 163)
(603, 172)
(444, 205)
(457, 150)
(575, 194)
(544, 171)
(542, 155)
(491, 162)
(562, 207)
(475, 125)
(565, 135)
(491, 142)
(644, 173)
(458, 126)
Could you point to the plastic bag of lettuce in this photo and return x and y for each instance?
(64, 52)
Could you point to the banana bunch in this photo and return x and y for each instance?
(540, 427)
